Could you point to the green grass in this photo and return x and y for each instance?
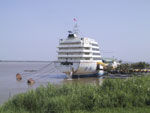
(113, 96)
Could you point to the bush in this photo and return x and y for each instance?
(113, 93)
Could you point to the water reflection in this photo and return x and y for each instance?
(90, 80)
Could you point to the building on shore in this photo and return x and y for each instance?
(111, 62)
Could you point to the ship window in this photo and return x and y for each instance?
(95, 49)
(96, 58)
(87, 48)
(67, 63)
(94, 45)
(86, 53)
(96, 53)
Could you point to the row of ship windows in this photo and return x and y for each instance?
(77, 43)
(74, 53)
(78, 53)
(75, 48)
(79, 48)
(61, 58)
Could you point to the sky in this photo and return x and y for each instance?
(31, 29)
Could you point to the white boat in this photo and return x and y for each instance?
(79, 56)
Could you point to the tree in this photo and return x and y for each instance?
(140, 65)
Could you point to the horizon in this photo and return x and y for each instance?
(30, 30)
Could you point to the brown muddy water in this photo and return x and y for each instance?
(9, 86)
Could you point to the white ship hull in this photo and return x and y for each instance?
(79, 69)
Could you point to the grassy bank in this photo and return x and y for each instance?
(113, 96)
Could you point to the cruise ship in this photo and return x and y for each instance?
(79, 56)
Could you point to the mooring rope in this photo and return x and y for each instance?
(41, 72)
(37, 71)
(47, 73)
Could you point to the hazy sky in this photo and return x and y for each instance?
(31, 29)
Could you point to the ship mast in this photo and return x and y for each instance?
(75, 28)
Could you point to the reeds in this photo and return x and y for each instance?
(112, 95)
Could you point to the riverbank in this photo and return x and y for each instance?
(114, 95)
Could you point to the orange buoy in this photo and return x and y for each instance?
(30, 81)
(18, 76)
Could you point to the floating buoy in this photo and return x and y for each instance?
(30, 81)
(18, 76)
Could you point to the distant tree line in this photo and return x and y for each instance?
(127, 68)
(140, 65)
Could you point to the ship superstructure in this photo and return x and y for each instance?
(79, 56)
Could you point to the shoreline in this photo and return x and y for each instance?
(22, 61)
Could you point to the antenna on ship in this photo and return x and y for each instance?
(75, 29)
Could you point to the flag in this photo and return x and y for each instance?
(75, 19)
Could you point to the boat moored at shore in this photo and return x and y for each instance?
(79, 56)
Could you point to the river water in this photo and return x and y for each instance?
(9, 86)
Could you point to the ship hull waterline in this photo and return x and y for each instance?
(80, 69)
